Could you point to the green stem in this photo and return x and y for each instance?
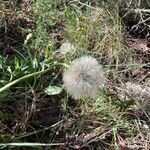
(31, 144)
(7, 86)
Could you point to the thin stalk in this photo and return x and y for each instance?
(7, 86)
(38, 131)
(31, 144)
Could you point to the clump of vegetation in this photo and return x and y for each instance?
(35, 109)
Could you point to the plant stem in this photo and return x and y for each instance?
(32, 144)
(7, 86)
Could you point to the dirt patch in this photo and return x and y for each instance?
(11, 34)
(23, 116)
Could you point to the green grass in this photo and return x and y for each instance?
(28, 68)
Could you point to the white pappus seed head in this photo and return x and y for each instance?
(84, 78)
(67, 47)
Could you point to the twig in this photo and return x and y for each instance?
(137, 10)
(141, 22)
(142, 10)
(128, 65)
(83, 4)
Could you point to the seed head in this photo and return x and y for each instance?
(84, 78)
(66, 48)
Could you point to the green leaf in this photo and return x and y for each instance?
(35, 63)
(53, 90)
(3, 116)
(3, 94)
(17, 66)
